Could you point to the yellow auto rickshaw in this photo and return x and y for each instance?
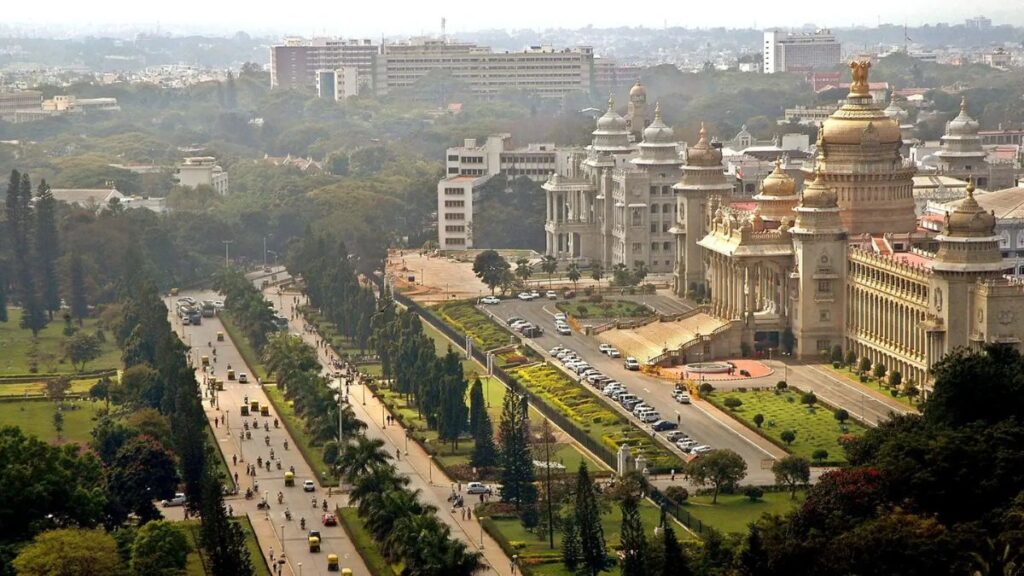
(314, 543)
(231, 373)
(264, 410)
(218, 384)
(254, 405)
(332, 563)
(205, 360)
(345, 571)
(289, 478)
(245, 410)
(220, 336)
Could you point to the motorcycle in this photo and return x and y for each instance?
(266, 427)
(246, 425)
(285, 444)
(280, 498)
(263, 505)
(287, 514)
(276, 424)
(248, 493)
(259, 462)
(267, 440)
(302, 523)
(325, 506)
(248, 435)
(278, 464)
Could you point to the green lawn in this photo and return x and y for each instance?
(591, 414)
(734, 512)
(16, 344)
(35, 418)
(815, 428)
(605, 309)
(465, 317)
(533, 547)
(875, 384)
(39, 388)
(363, 541)
(313, 454)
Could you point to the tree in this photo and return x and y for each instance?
(142, 471)
(753, 559)
(597, 273)
(517, 474)
(621, 275)
(842, 416)
(70, 552)
(639, 272)
(160, 548)
(673, 560)
(717, 468)
(758, 419)
(851, 358)
(57, 388)
(58, 423)
(523, 269)
(792, 471)
(788, 436)
(879, 371)
(490, 267)
(82, 349)
(809, 399)
(47, 249)
(732, 402)
(837, 353)
(549, 264)
(484, 453)
(362, 457)
(593, 556)
(77, 299)
(571, 552)
(634, 543)
(574, 274)
(895, 378)
(865, 364)
(820, 455)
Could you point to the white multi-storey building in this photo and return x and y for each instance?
(800, 52)
(202, 171)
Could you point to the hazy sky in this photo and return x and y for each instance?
(411, 17)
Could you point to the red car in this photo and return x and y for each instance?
(330, 519)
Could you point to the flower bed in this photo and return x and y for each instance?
(464, 316)
(591, 415)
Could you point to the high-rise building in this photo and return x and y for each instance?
(800, 52)
(293, 64)
(337, 84)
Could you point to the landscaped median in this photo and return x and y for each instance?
(814, 425)
(311, 453)
(465, 317)
(249, 354)
(591, 415)
(364, 544)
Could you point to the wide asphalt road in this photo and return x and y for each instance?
(694, 420)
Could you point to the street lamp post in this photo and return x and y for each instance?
(227, 244)
(406, 441)
(430, 469)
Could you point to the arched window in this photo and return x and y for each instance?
(1004, 239)
(654, 208)
(1020, 239)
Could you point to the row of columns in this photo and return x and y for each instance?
(891, 322)
(728, 295)
(568, 206)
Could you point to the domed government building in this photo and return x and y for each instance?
(839, 261)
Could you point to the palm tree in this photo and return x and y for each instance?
(597, 272)
(574, 275)
(549, 265)
(367, 490)
(387, 514)
(402, 541)
(362, 457)
(523, 269)
(639, 272)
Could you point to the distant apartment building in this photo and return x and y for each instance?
(294, 64)
(13, 102)
(540, 70)
(809, 115)
(978, 23)
(202, 171)
(497, 156)
(455, 211)
(800, 52)
(997, 58)
(337, 84)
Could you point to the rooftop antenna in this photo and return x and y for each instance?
(444, 36)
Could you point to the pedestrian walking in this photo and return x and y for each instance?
(398, 454)
(271, 554)
(234, 459)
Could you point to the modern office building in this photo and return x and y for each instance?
(338, 84)
(498, 156)
(294, 63)
(800, 52)
(202, 171)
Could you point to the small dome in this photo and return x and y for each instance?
(778, 183)
(638, 90)
(963, 124)
(703, 153)
(894, 111)
(970, 219)
(611, 121)
(658, 132)
(818, 195)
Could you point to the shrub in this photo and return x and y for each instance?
(809, 398)
(706, 388)
(851, 358)
(753, 493)
(733, 403)
(895, 378)
(781, 385)
(894, 392)
(836, 364)
(677, 494)
(863, 378)
(837, 354)
(788, 436)
(820, 455)
(865, 364)
(758, 419)
(595, 298)
(842, 415)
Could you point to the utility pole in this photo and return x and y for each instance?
(547, 456)
(264, 251)
(227, 245)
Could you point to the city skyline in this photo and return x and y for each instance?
(407, 18)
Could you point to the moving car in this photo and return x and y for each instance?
(308, 486)
(631, 364)
(243, 378)
(330, 519)
(604, 348)
(563, 329)
(527, 296)
(477, 488)
(614, 353)
(681, 397)
(490, 300)
(178, 500)
(552, 295)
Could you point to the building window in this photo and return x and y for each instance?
(638, 247)
(654, 208)
(666, 246)
(654, 246)
(654, 227)
(455, 191)
(667, 208)
(453, 157)
(453, 170)
(454, 203)
(638, 217)
(824, 316)
(454, 216)
(825, 286)
(824, 344)
(455, 241)
(665, 226)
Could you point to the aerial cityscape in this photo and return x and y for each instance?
(445, 291)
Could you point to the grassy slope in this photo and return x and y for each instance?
(16, 342)
(734, 512)
(35, 417)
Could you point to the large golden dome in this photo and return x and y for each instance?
(859, 120)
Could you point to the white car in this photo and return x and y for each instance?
(551, 295)
(178, 500)
(477, 488)
(308, 486)
(563, 329)
(682, 397)
(218, 304)
(631, 364)
(651, 416)
(702, 449)
(604, 348)
(614, 353)
(556, 351)
(525, 296)
(490, 300)
(561, 316)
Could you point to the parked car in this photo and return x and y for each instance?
(702, 449)
(308, 486)
(563, 329)
(178, 500)
(525, 296)
(682, 397)
(556, 351)
(675, 435)
(552, 295)
(561, 316)
(686, 444)
(614, 353)
(650, 417)
(490, 300)
(513, 320)
(477, 488)
(604, 348)
(534, 294)
(642, 406)
(631, 364)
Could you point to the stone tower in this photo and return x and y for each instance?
(859, 158)
(961, 155)
(818, 297)
(636, 112)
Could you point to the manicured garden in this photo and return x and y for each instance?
(535, 554)
(20, 353)
(364, 544)
(35, 417)
(879, 384)
(592, 415)
(22, 389)
(464, 316)
(734, 512)
(815, 426)
(605, 308)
